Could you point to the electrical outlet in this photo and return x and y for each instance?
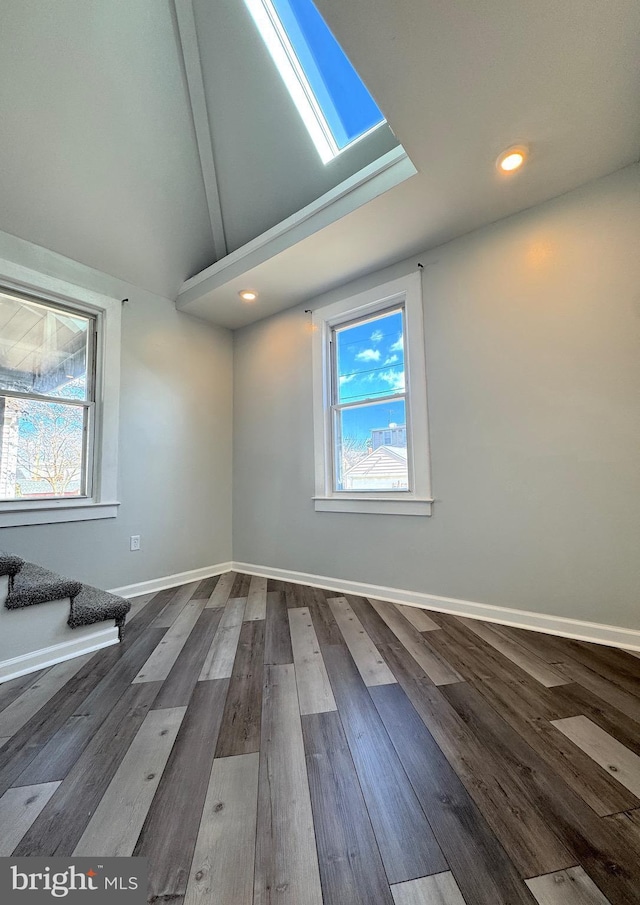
(135, 542)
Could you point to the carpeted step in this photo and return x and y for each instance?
(10, 565)
(93, 605)
(30, 584)
(33, 584)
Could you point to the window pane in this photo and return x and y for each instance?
(43, 350)
(41, 449)
(348, 108)
(370, 358)
(371, 447)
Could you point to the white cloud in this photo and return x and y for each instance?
(395, 379)
(368, 355)
(376, 336)
(346, 378)
(398, 345)
(391, 360)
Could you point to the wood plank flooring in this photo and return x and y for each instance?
(227, 835)
(567, 887)
(116, 823)
(264, 743)
(439, 889)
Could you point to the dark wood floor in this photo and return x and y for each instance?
(262, 742)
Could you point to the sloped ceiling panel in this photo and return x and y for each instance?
(267, 166)
(98, 159)
(460, 82)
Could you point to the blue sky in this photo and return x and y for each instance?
(345, 101)
(370, 364)
(357, 424)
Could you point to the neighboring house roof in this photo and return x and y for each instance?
(30, 487)
(390, 461)
(34, 487)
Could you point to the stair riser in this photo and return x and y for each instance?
(81, 641)
(35, 633)
(30, 629)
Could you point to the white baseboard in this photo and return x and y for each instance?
(595, 632)
(105, 637)
(57, 653)
(598, 633)
(170, 581)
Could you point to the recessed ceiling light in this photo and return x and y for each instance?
(248, 295)
(511, 159)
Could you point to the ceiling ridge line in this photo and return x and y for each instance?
(198, 102)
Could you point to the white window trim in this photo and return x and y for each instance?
(284, 56)
(417, 501)
(107, 311)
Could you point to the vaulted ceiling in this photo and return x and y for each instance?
(101, 157)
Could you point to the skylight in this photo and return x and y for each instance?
(329, 95)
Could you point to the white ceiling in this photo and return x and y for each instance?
(99, 159)
(266, 164)
(459, 82)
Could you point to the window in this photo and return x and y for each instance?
(47, 399)
(329, 95)
(368, 389)
(58, 406)
(370, 411)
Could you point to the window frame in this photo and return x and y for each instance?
(417, 500)
(336, 405)
(102, 447)
(87, 404)
(292, 72)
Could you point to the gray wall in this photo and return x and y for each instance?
(532, 328)
(175, 444)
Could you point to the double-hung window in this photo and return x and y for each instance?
(47, 400)
(58, 408)
(370, 403)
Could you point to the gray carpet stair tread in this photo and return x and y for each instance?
(33, 584)
(93, 605)
(10, 564)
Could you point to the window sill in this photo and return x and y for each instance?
(373, 504)
(50, 512)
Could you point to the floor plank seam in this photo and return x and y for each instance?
(357, 751)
